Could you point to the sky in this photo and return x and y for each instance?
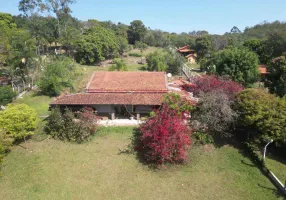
(215, 16)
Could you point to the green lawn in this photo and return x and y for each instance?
(131, 62)
(277, 166)
(98, 169)
(39, 102)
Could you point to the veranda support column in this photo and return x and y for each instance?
(113, 116)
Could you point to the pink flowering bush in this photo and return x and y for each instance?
(165, 138)
(209, 83)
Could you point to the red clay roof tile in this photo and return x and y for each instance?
(118, 82)
(110, 99)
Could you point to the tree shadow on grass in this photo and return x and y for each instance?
(262, 169)
(276, 192)
(248, 164)
(132, 149)
(220, 141)
(143, 68)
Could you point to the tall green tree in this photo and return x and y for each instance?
(96, 44)
(156, 62)
(136, 31)
(204, 47)
(59, 8)
(141, 46)
(240, 64)
(58, 75)
(7, 27)
(260, 48)
(276, 79)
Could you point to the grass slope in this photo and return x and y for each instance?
(98, 169)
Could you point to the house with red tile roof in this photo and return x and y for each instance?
(188, 53)
(263, 70)
(119, 94)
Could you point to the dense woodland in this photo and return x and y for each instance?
(41, 47)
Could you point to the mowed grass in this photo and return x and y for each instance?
(99, 169)
(40, 104)
(277, 166)
(131, 62)
(37, 101)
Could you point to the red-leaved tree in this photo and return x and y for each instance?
(165, 138)
(209, 83)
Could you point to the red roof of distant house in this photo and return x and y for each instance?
(118, 82)
(110, 99)
(185, 49)
(191, 55)
(263, 69)
(178, 82)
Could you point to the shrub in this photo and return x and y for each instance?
(177, 103)
(135, 55)
(203, 138)
(58, 75)
(214, 110)
(261, 115)
(5, 143)
(119, 65)
(209, 83)
(276, 79)
(18, 120)
(156, 62)
(165, 138)
(6, 95)
(240, 64)
(71, 127)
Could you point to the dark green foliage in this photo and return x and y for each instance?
(156, 38)
(96, 44)
(176, 102)
(55, 122)
(5, 143)
(119, 65)
(251, 150)
(136, 31)
(135, 55)
(70, 127)
(174, 62)
(167, 60)
(276, 79)
(263, 30)
(261, 115)
(203, 138)
(141, 46)
(156, 61)
(276, 44)
(204, 47)
(180, 40)
(58, 75)
(123, 45)
(240, 64)
(6, 95)
(260, 48)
